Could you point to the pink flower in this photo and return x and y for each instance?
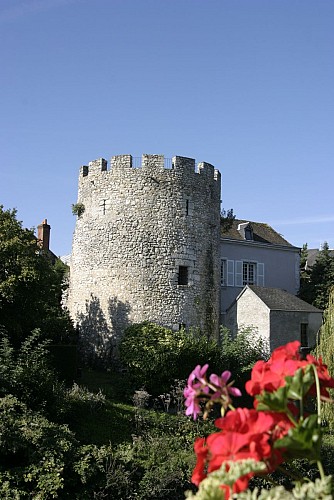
(222, 386)
(195, 390)
(199, 389)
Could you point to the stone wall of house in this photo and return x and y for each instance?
(251, 313)
(145, 248)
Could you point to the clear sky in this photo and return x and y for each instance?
(247, 85)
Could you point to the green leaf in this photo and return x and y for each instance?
(300, 383)
(273, 401)
(302, 441)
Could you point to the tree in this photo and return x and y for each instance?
(226, 219)
(316, 283)
(325, 350)
(305, 290)
(30, 285)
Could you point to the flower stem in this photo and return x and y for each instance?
(317, 385)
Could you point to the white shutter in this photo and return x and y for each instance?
(230, 273)
(260, 274)
(238, 273)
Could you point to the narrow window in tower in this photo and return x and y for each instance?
(187, 207)
(183, 275)
(104, 207)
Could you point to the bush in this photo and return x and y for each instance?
(155, 356)
(33, 452)
(41, 459)
(152, 467)
(239, 356)
(26, 373)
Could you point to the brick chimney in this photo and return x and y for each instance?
(43, 235)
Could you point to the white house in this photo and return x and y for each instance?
(253, 253)
(277, 316)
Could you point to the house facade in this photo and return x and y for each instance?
(253, 253)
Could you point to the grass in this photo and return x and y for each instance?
(116, 386)
(113, 423)
(118, 420)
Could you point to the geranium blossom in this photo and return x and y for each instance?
(285, 361)
(195, 390)
(199, 389)
(271, 432)
(243, 434)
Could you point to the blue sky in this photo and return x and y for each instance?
(247, 85)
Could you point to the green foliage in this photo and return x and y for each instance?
(239, 356)
(226, 219)
(153, 467)
(32, 450)
(316, 282)
(26, 373)
(241, 352)
(40, 459)
(325, 350)
(30, 285)
(78, 209)
(155, 356)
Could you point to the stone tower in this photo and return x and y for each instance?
(146, 247)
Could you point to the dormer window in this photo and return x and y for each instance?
(246, 230)
(248, 233)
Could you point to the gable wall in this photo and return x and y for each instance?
(250, 312)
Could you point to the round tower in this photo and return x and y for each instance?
(145, 247)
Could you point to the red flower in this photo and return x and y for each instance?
(285, 361)
(201, 451)
(248, 433)
(270, 375)
(243, 434)
(324, 377)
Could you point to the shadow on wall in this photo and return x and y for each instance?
(99, 335)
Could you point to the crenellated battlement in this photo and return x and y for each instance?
(150, 164)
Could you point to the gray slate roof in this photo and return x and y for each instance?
(280, 300)
(261, 233)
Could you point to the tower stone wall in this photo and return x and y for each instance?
(146, 247)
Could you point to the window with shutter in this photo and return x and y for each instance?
(230, 273)
(238, 273)
(260, 274)
(223, 280)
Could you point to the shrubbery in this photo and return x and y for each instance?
(41, 459)
(155, 356)
(26, 373)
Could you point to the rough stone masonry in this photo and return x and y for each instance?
(146, 247)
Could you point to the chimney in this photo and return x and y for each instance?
(43, 235)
